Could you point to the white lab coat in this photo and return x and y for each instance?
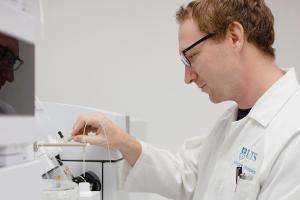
(265, 143)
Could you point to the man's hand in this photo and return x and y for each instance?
(99, 130)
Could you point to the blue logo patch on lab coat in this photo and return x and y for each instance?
(247, 153)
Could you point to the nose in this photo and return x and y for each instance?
(190, 75)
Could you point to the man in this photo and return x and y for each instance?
(253, 150)
(9, 62)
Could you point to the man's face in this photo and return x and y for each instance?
(212, 63)
(6, 72)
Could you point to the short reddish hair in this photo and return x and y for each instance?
(214, 16)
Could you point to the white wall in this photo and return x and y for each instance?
(287, 30)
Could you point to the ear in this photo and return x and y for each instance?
(236, 35)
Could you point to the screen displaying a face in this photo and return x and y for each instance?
(16, 76)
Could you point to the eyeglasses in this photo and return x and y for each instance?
(183, 57)
(8, 59)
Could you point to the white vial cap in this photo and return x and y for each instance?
(84, 188)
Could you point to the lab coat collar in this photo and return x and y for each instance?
(270, 103)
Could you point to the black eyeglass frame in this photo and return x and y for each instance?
(15, 61)
(183, 57)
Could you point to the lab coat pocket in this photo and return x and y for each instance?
(243, 190)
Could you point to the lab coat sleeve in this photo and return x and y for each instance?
(283, 182)
(159, 171)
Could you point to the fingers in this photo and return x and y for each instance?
(82, 139)
(85, 130)
(94, 140)
(85, 124)
(79, 125)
